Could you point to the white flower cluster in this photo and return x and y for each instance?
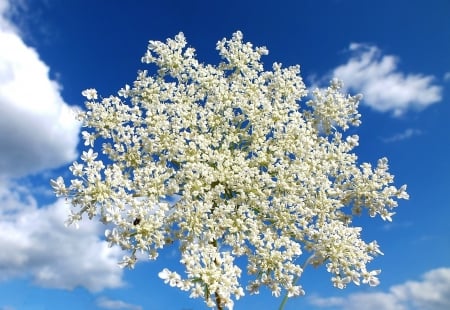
(258, 173)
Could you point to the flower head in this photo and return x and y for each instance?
(257, 171)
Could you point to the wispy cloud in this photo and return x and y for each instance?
(447, 76)
(384, 86)
(408, 133)
(432, 292)
(106, 303)
(38, 129)
(396, 225)
(5, 11)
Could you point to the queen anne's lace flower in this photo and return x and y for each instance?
(257, 172)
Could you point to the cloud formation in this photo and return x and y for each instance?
(447, 76)
(384, 86)
(432, 292)
(37, 127)
(36, 244)
(408, 133)
(106, 303)
(38, 131)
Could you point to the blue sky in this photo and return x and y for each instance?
(394, 52)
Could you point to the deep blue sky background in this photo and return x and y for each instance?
(99, 43)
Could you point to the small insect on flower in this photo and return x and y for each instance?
(137, 221)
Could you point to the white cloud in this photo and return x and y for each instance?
(35, 243)
(447, 76)
(408, 133)
(384, 87)
(106, 303)
(373, 301)
(37, 128)
(432, 292)
(38, 131)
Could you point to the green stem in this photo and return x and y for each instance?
(216, 293)
(285, 298)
